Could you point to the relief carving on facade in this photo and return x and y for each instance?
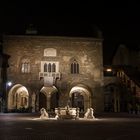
(50, 52)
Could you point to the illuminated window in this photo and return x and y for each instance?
(25, 65)
(53, 67)
(109, 70)
(25, 68)
(74, 67)
(50, 67)
(45, 67)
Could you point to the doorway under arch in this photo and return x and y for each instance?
(18, 97)
(80, 97)
(48, 98)
(42, 100)
(112, 102)
(77, 100)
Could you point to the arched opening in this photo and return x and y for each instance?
(48, 98)
(78, 100)
(112, 101)
(18, 98)
(80, 97)
(74, 67)
(42, 100)
(45, 67)
(54, 101)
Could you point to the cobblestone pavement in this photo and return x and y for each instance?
(109, 126)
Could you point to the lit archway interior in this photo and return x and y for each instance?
(18, 97)
(48, 97)
(80, 97)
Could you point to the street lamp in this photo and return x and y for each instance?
(8, 84)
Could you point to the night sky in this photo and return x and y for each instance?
(119, 22)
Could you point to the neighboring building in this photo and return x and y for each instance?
(122, 56)
(3, 78)
(0, 83)
(127, 63)
(127, 56)
(53, 71)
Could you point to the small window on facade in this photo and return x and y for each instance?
(49, 67)
(45, 67)
(75, 67)
(53, 67)
(25, 67)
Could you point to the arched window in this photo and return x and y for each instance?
(45, 67)
(49, 67)
(25, 67)
(53, 67)
(74, 67)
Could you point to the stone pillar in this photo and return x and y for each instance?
(33, 102)
(48, 101)
(86, 104)
(118, 100)
(37, 102)
(18, 102)
(115, 102)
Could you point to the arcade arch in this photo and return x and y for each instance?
(80, 97)
(111, 98)
(18, 97)
(48, 98)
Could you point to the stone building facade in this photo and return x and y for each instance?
(50, 72)
(3, 76)
(126, 56)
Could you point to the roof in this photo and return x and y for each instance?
(70, 30)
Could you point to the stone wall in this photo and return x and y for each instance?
(87, 51)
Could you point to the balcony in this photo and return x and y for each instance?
(55, 75)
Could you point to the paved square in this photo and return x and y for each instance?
(106, 127)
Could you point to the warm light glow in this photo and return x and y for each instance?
(22, 90)
(109, 70)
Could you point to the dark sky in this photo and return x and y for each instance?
(119, 22)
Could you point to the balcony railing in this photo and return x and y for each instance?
(55, 75)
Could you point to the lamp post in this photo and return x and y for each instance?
(8, 84)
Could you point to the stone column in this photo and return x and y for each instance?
(118, 100)
(33, 102)
(115, 102)
(48, 101)
(37, 102)
(86, 103)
